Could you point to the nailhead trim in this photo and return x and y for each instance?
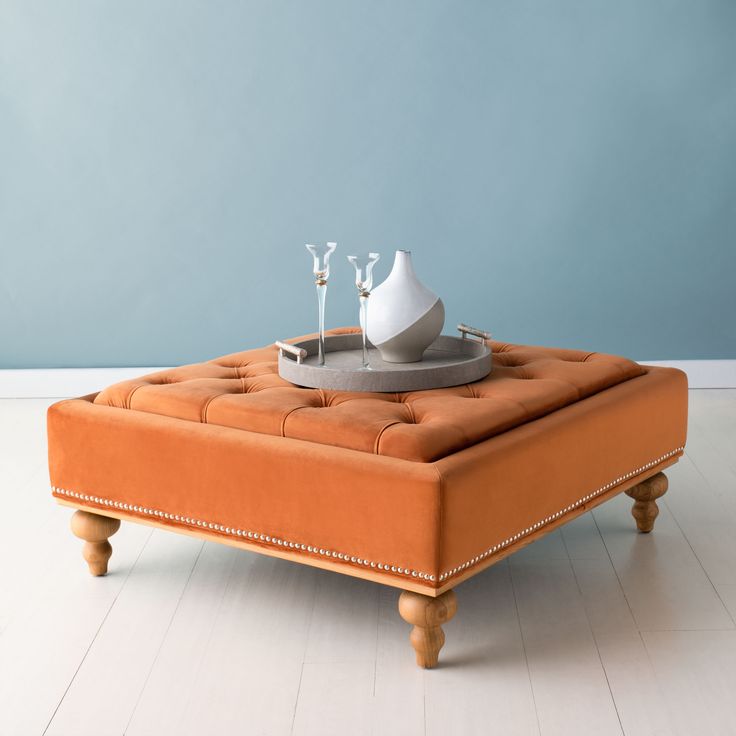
(580, 502)
(251, 535)
(260, 537)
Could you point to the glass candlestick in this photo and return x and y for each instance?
(321, 270)
(364, 281)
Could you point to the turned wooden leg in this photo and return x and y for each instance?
(95, 529)
(645, 496)
(427, 614)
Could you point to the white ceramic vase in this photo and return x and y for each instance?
(404, 316)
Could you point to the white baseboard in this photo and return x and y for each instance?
(36, 383)
(703, 373)
(51, 383)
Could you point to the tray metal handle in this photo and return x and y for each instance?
(298, 353)
(466, 330)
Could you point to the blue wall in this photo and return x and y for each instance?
(565, 172)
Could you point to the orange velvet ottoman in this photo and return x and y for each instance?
(417, 490)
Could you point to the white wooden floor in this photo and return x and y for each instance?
(592, 630)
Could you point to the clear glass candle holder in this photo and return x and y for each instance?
(364, 281)
(321, 270)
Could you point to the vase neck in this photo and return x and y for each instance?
(403, 266)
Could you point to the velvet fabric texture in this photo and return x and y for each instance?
(244, 391)
(423, 482)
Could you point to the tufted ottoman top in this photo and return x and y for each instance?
(418, 489)
(244, 391)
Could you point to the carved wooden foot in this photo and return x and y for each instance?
(427, 614)
(95, 529)
(645, 509)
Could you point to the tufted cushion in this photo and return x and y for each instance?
(244, 391)
(416, 490)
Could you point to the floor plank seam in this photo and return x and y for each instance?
(523, 648)
(650, 661)
(424, 702)
(296, 701)
(163, 640)
(705, 572)
(304, 649)
(615, 572)
(704, 431)
(699, 630)
(97, 633)
(655, 681)
(714, 490)
(216, 616)
(375, 653)
(593, 636)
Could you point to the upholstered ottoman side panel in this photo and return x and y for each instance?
(368, 512)
(500, 493)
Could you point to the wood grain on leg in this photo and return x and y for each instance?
(645, 496)
(427, 615)
(95, 529)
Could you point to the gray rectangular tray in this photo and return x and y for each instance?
(448, 361)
